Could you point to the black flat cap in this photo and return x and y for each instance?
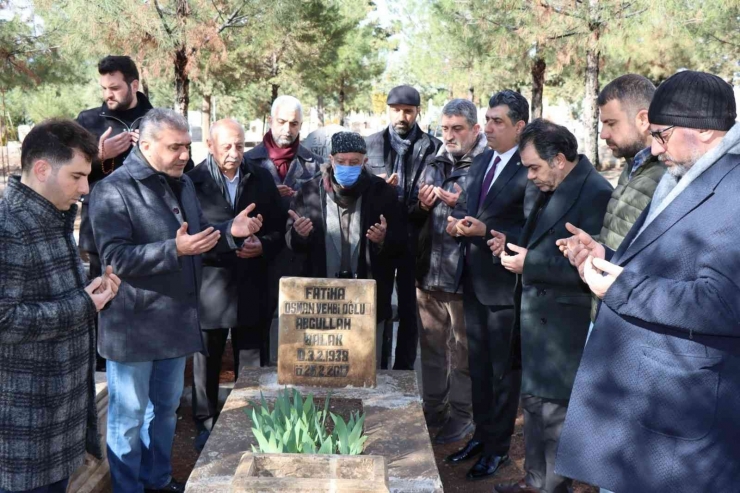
(342, 142)
(404, 95)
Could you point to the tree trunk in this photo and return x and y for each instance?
(538, 86)
(471, 93)
(341, 103)
(205, 117)
(182, 82)
(145, 86)
(274, 72)
(590, 109)
(320, 110)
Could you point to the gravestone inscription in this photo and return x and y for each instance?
(327, 332)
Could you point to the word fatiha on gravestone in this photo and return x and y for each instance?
(327, 332)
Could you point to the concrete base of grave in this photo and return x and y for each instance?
(298, 473)
(394, 424)
(94, 475)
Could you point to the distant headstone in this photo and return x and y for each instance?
(319, 141)
(327, 332)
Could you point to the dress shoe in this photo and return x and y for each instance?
(201, 439)
(516, 487)
(487, 466)
(453, 430)
(470, 450)
(171, 487)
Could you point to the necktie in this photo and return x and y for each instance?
(487, 181)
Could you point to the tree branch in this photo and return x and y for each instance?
(567, 35)
(724, 41)
(161, 17)
(233, 18)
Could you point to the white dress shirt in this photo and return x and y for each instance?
(505, 158)
(231, 185)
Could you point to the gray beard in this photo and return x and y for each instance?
(678, 170)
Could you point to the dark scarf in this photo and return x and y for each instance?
(280, 156)
(345, 197)
(401, 145)
(218, 177)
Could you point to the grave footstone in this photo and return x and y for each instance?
(327, 332)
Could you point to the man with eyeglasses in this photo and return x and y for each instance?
(655, 399)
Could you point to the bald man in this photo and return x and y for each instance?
(233, 295)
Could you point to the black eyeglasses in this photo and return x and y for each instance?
(658, 135)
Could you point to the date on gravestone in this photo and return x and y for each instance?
(327, 332)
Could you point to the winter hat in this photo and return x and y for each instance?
(694, 100)
(404, 95)
(342, 142)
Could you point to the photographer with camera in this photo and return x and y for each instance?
(347, 222)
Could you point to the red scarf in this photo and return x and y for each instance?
(280, 156)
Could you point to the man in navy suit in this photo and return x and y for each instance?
(660, 375)
(498, 198)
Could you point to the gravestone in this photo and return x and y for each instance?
(327, 332)
(319, 141)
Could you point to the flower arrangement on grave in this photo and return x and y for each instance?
(295, 425)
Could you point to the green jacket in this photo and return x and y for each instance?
(628, 200)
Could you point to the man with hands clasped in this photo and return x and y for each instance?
(399, 153)
(661, 370)
(347, 223)
(444, 346)
(48, 417)
(553, 304)
(149, 226)
(498, 196)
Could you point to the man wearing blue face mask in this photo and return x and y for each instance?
(348, 223)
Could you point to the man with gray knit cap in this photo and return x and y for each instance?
(654, 402)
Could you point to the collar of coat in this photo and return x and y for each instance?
(480, 146)
(563, 198)
(137, 165)
(260, 152)
(25, 197)
(132, 116)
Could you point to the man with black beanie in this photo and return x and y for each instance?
(400, 154)
(655, 399)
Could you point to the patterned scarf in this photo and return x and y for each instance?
(401, 146)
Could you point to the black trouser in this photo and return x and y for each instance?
(495, 399)
(245, 342)
(407, 339)
(543, 423)
(96, 270)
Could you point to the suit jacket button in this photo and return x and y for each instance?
(543, 321)
(176, 210)
(552, 231)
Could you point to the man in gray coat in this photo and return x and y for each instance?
(48, 416)
(149, 226)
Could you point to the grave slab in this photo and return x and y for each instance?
(394, 424)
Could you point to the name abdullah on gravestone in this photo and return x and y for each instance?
(327, 332)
